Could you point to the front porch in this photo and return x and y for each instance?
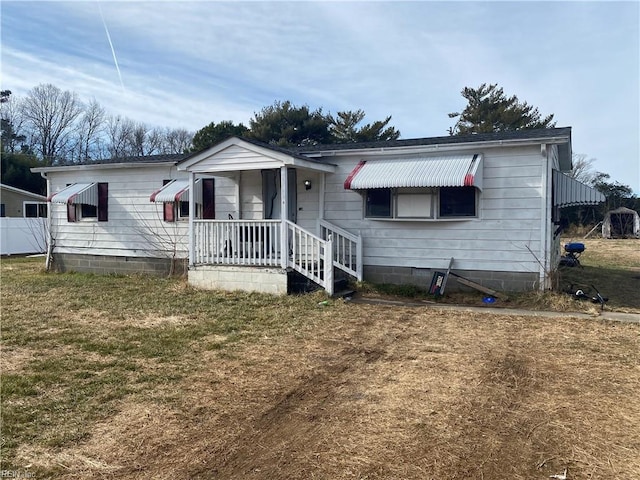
(256, 254)
(274, 202)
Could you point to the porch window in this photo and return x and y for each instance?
(84, 201)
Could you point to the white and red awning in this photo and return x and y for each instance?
(86, 193)
(444, 171)
(176, 191)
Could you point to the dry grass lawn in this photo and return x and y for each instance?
(113, 377)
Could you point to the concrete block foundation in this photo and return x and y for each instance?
(108, 265)
(249, 279)
(421, 277)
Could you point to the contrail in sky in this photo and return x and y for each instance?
(113, 51)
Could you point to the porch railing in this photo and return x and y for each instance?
(347, 248)
(264, 243)
(237, 242)
(310, 256)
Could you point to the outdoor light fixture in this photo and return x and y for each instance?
(307, 184)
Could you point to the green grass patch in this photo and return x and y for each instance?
(78, 344)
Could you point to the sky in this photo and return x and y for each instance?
(182, 64)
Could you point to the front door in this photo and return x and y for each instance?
(271, 194)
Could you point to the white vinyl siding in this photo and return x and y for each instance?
(501, 238)
(135, 226)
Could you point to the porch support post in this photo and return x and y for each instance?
(192, 214)
(359, 258)
(323, 178)
(545, 222)
(284, 228)
(238, 211)
(328, 266)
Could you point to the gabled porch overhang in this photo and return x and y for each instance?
(237, 155)
(263, 240)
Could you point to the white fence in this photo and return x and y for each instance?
(23, 235)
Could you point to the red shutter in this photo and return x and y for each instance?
(103, 202)
(167, 208)
(71, 212)
(208, 199)
(168, 212)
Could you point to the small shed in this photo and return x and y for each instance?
(621, 223)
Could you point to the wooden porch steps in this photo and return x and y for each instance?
(342, 288)
(298, 283)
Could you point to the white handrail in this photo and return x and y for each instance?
(261, 243)
(347, 248)
(309, 256)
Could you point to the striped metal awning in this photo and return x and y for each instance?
(568, 192)
(446, 171)
(86, 193)
(176, 191)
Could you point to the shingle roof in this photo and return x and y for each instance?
(299, 152)
(448, 139)
(163, 158)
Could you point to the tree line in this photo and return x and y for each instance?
(49, 126)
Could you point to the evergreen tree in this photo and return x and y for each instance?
(287, 125)
(344, 128)
(216, 132)
(490, 110)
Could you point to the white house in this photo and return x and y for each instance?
(386, 212)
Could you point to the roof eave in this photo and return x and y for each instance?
(102, 166)
(441, 147)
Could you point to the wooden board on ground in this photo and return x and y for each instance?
(481, 288)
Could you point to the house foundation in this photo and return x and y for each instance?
(249, 279)
(421, 277)
(109, 265)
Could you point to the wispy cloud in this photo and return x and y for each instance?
(186, 64)
(113, 51)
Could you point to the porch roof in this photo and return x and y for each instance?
(443, 171)
(238, 154)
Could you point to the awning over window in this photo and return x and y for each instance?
(176, 191)
(568, 192)
(77, 193)
(449, 171)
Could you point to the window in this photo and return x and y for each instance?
(414, 203)
(35, 210)
(182, 210)
(84, 201)
(421, 203)
(87, 211)
(175, 197)
(457, 202)
(378, 203)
